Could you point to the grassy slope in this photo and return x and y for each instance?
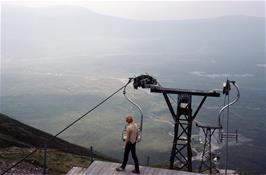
(18, 139)
(58, 162)
(15, 133)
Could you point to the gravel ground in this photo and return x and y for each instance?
(22, 169)
(25, 168)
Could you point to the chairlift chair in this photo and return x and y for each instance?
(143, 81)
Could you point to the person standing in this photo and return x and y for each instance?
(130, 145)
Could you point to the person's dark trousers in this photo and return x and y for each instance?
(130, 147)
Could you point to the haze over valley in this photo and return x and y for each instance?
(54, 68)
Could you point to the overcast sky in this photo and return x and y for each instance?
(160, 10)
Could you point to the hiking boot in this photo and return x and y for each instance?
(135, 171)
(120, 169)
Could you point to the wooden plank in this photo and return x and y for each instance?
(144, 170)
(169, 173)
(71, 171)
(91, 168)
(76, 171)
(108, 168)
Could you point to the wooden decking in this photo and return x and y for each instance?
(108, 168)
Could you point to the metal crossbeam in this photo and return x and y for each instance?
(160, 89)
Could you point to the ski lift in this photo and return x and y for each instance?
(144, 81)
(226, 90)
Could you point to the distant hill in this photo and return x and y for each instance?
(16, 134)
(73, 31)
(71, 38)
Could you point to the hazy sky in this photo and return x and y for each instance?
(158, 10)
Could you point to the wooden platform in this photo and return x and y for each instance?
(108, 168)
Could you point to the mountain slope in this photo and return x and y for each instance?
(15, 133)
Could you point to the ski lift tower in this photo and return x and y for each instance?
(207, 158)
(181, 154)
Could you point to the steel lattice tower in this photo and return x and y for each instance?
(181, 149)
(181, 154)
(207, 156)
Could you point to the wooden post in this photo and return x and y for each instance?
(148, 161)
(45, 159)
(91, 154)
